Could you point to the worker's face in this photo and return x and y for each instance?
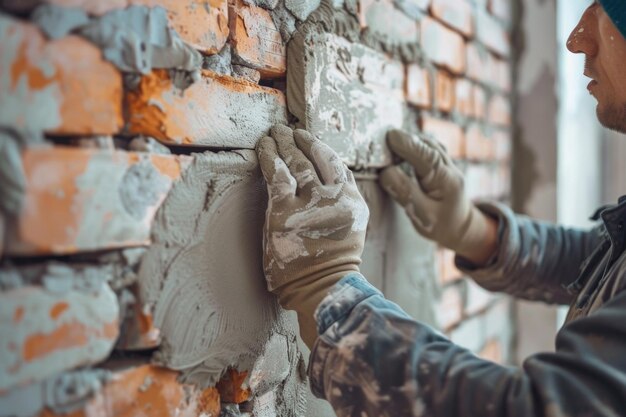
(605, 63)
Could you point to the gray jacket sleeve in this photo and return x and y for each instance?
(535, 260)
(372, 359)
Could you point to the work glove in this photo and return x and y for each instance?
(314, 225)
(433, 194)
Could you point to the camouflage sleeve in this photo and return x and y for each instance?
(535, 260)
(372, 359)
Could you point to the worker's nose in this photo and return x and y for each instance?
(582, 39)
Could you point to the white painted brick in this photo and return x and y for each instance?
(413, 8)
(386, 23)
(348, 95)
(492, 33)
(70, 320)
(81, 199)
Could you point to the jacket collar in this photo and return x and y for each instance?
(614, 218)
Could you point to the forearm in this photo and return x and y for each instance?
(533, 260)
(372, 359)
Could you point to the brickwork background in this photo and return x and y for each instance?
(79, 118)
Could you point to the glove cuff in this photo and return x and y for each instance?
(305, 294)
(474, 232)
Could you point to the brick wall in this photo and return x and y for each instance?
(126, 134)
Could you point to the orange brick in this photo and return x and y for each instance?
(492, 33)
(457, 14)
(500, 110)
(418, 86)
(231, 387)
(138, 331)
(464, 97)
(448, 272)
(148, 390)
(202, 24)
(492, 351)
(445, 86)
(443, 46)
(256, 41)
(61, 87)
(450, 307)
(46, 331)
(446, 132)
(98, 199)
(217, 111)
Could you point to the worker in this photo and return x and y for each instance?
(369, 358)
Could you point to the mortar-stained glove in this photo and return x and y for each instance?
(315, 222)
(434, 196)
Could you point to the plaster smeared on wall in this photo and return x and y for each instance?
(62, 394)
(396, 259)
(220, 63)
(346, 94)
(12, 179)
(203, 276)
(52, 318)
(284, 21)
(536, 107)
(266, 4)
(340, 19)
(301, 9)
(136, 39)
(56, 21)
(401, 40)
(375, 251)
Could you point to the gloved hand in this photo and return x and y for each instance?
(434, 197)
(315, 221)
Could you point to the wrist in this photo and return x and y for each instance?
(303, 295)
(481, 242)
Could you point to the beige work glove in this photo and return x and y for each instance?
(434, 197)
(314, 225)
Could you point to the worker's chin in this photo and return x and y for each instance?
(612, 116)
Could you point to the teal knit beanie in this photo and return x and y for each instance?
(616, 9)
